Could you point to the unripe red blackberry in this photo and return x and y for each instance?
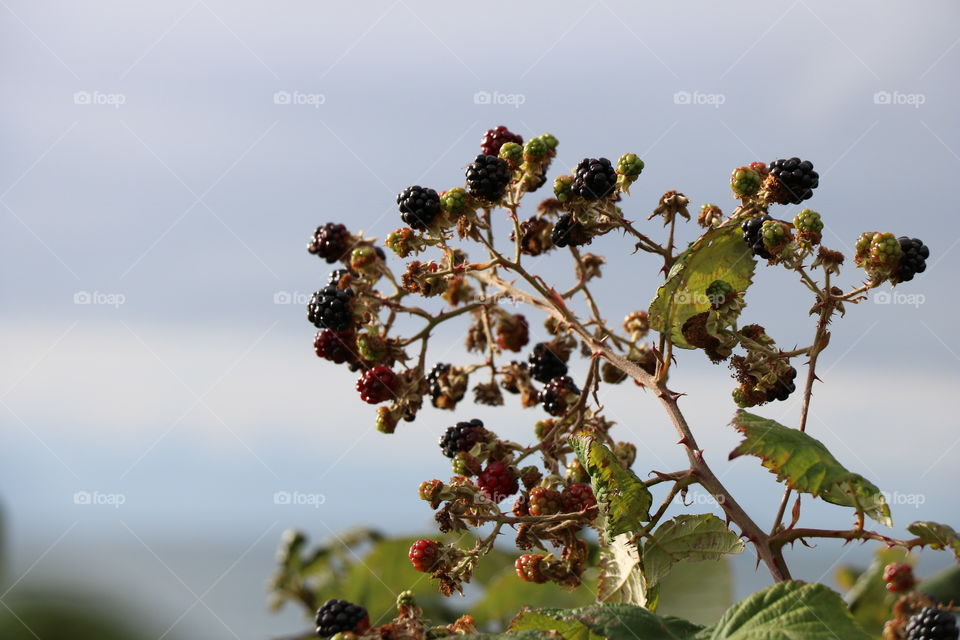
(544, 501)
(423, 555)
(898, 577)
(378, 384)
(330, 242)
(498, 482)
(335, 346)
(495, 138)
(529, 568)
(578, 497)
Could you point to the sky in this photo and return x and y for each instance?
(165, 163)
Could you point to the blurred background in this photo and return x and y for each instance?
(164, 165)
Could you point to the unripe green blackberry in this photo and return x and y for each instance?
(563, 188)
(535, 149)
(512, 153)
(454, 200)
(630, 166)
(550, 140)
(808, 221)
(465, 465)
(885, 250)
(775, 234)
(745, 182)
(719, 292)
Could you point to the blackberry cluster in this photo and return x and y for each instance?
(555, 397)
(377, 384)
(913, 259)
(498, 482)
(337, 616)
(545, 365)
(330, 242)
(335, 346)
(568, 232)
(495, 138)
(932, 624)
(783, 387)
(461, 437)
(487, 177)
(419, 206)
(754, 238)
(329, 308)
(333, 280)
(796, 180)
(595, 178)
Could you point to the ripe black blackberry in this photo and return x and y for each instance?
(495, 138)
(753, 238)
(783, 387)
(419, 206)
(337, 616)
(556, 397)
(595, 179)
(330, 242)
(333, 280)
(545, 365)
(913, 259)
(568, 232)
(932, 624)
(330, 308)
(444, 392)
(795, 180)
(433, 379)
(487, 177)
(461, 437)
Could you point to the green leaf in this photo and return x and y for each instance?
(569, 629)
(623, 498)
(622, 578)
(806, 465)
(618, 622)
(697, 591)
(937, 536)
(687, 537)
(719, 254)
(793, 610)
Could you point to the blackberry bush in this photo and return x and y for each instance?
(583, 504)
